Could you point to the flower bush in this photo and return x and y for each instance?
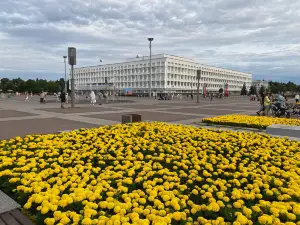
(260, 122)
(153, 173)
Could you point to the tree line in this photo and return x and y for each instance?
(38, 85)
(34, 86)
(274, 88)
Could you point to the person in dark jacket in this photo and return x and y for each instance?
(62, 99)
(262, 105)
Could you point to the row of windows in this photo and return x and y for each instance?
(203, 68)
(170, 84)
(112, 68)
(122, 72)
(143, 67)
(160, 77)
(169, 76)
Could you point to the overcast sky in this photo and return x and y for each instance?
(260, 37)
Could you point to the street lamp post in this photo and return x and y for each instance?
(198, 84)
(72, 62)
(65, 61)
(150, 80)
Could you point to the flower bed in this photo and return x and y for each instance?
(260, 122)
(153, 173)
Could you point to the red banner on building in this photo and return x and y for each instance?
(204, 89)
(226, 90)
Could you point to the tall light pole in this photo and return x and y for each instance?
(72, 62)
(198, 83)
(65, 61)
(150, 80)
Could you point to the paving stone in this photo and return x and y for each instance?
(78, 110)
(146, 115)
(39, 126)
(14, 113)
(200, 110)
(146, 106)
(6, 203)
(284, 130)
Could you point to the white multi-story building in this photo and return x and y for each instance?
(169, 74)
(259, 83)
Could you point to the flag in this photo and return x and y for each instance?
(226, 89)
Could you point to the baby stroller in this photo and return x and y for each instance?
(295, 109)
(279, 111)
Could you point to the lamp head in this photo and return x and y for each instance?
(65, 56)
(150, 39)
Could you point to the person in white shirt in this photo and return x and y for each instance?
(93, 98)
(67, 98)
(26, 96)
(297, 97)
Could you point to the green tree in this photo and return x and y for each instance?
(290, 86)
(60, 83)
(30, 86)
(244, 90)
(42, 85)
(262, 90)
(18, 85)
(253, 90)
(35, 86)
(53, 87)
(5, 82)
(277, 87)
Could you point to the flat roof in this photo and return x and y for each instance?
(162, 55)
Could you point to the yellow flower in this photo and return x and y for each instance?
(265, 219)
(155, 173)
(242, 219)
(142, 200)
(247, 212)
(195, 192)
(117, 209)
(237, 205)
(27, 205)
(49, 221)
(44, 210)
(177, 216)
(291, 216)
(65, 220)
(86, 221)
(256, 209)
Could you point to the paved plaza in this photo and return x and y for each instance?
(18, 118)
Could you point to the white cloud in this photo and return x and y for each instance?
(247, 35)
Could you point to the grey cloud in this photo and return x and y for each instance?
(256, 35)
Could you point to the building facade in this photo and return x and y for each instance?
(259, 83)
(170, 74)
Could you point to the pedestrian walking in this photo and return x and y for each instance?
(297, 97)
(42, 97)
(192, 96)
(26, 97)
(211, 96)
(62, 99)
(267, 104)
(93, 98)
(57, 97)
(262, 107)
(67, 97)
